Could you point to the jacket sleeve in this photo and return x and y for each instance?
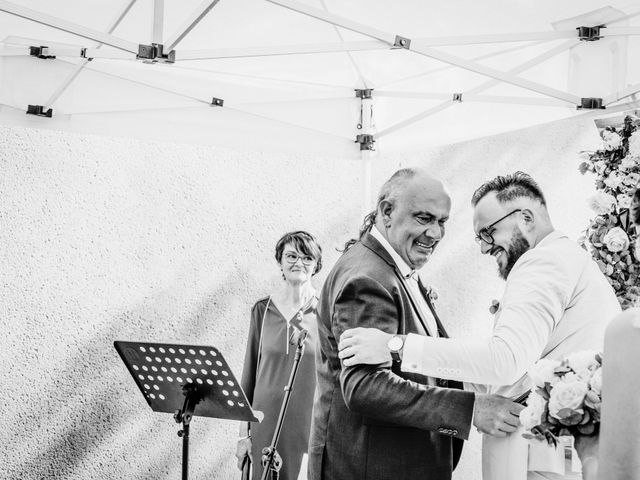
(378, 393)
(248, 380)
(535, 298)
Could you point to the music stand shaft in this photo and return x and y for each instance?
(185, 453)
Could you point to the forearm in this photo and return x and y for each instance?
(491, 360)
(379, 394)
(375, 391)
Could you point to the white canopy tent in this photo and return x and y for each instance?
(314, 75)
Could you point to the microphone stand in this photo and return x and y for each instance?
(271, 460)
(192, 397)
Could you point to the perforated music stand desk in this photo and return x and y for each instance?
(186, 380)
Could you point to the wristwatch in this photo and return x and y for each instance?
(395, 345)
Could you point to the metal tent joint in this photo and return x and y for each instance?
(457, 97)
(217, 102)
(589, 34)
(39, 111)
(364, 93)
(155, 53)
(591, 103)
(40, 52)
(402, 42)
(83, 54)
(366, 141)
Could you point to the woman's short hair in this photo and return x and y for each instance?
(304, 242)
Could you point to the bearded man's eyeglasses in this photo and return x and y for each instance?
(484, 234)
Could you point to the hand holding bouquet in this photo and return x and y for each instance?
(566, 400)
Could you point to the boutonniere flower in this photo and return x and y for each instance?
(431, 292)
(494, 307)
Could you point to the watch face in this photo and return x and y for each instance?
(395, 344)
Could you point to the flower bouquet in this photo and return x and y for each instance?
(566, 399)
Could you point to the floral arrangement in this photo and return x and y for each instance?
(612, 238)
(566, 398)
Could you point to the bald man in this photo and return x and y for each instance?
(376, 422)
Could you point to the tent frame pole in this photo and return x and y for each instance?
(157, 26)
(428, 52)
(198, 14)
(69, 27)
(484, 86)
(624, 93)
(470, 97)
(366, 124)
(282, 50)
(80, 66)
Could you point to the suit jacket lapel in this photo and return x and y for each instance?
(374, 245)
(418, 313)
(441, 331)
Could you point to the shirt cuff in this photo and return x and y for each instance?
(412, 354)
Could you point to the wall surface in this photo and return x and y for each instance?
(105, 239)
(111, 239)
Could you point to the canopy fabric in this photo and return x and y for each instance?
(283, 74)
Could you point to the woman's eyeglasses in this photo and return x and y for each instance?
(292, 258)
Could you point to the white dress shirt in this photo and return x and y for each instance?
(411, 281)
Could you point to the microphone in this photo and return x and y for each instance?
(298, 337)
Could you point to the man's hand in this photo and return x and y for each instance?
(364, 345)
(496, 415)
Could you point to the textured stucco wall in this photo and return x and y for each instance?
(104, 239)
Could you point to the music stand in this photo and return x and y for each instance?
(175, 378)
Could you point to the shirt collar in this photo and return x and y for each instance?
(550, 237)
(405, 270)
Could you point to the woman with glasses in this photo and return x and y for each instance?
(275, 322)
